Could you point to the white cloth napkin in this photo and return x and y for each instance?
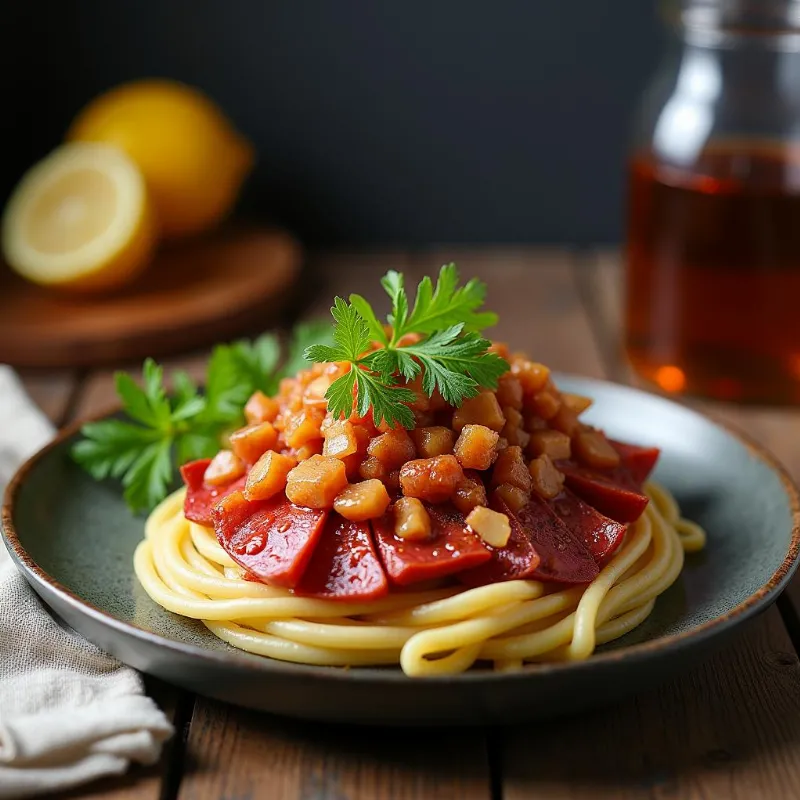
(69, 713)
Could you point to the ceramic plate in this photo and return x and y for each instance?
(74, 539)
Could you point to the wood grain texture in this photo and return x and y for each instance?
(198, 292)
(236, 753)
(730, 729)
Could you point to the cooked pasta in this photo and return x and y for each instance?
(439, 631)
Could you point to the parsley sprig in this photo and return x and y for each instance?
(451, 355)
(159, 430)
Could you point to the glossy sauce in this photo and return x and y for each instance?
(713, 273)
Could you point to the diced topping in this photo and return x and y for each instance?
(476, 447)
(546, 404)
(316, 482)
(303, 426)
(353, 461)
(268, 475)
(532, 376)
(511, 468)
(431, 479)
(224, 468)
(314, 394)
(312, 448)
(372, 468)
(433, 441)
(547, 480)
(393, 448)
(481, 410)
(593, 449)
(362, 501)
(550, 443)
(411, 520)
(513, 431)
(509, 391)
(576, 402)
(260, 408)
(566, 421)
(512, 496)
(492, 526)
(340, 440)
(470, 492)
(250, 442)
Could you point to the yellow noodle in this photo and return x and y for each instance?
(431, 632)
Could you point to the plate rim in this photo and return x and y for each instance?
(642, 651)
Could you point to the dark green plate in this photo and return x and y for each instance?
(73, 539)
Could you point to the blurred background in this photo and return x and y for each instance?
(669, 129)
(374, 123)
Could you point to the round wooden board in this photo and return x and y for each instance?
(194, 294)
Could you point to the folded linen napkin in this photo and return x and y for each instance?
(69, 713)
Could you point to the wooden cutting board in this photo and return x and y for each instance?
(194, 294)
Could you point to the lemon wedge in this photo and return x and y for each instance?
(192, 158)
(80, 219)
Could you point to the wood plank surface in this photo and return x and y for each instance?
(726, 729)
(234, 753)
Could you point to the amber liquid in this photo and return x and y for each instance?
(713, 273)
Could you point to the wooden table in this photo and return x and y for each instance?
(728, 729)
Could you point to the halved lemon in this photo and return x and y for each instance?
(80, 219)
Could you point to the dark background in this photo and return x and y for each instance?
(380, 122)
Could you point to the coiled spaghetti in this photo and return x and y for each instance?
(433, 632)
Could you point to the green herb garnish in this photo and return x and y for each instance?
(451, 355)
(162, 430)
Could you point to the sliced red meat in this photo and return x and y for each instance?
(612, 492)
(518, 559)
(452, 548)
(639, 461)
(601, 534)
(344, 565)
(564, 557)
(272, 539)
(201, 496)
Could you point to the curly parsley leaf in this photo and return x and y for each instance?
(447, 351)
(446, 305)
(457, 365)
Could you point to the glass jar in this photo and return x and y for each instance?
(713, 227)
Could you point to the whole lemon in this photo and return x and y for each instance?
(192, 158)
